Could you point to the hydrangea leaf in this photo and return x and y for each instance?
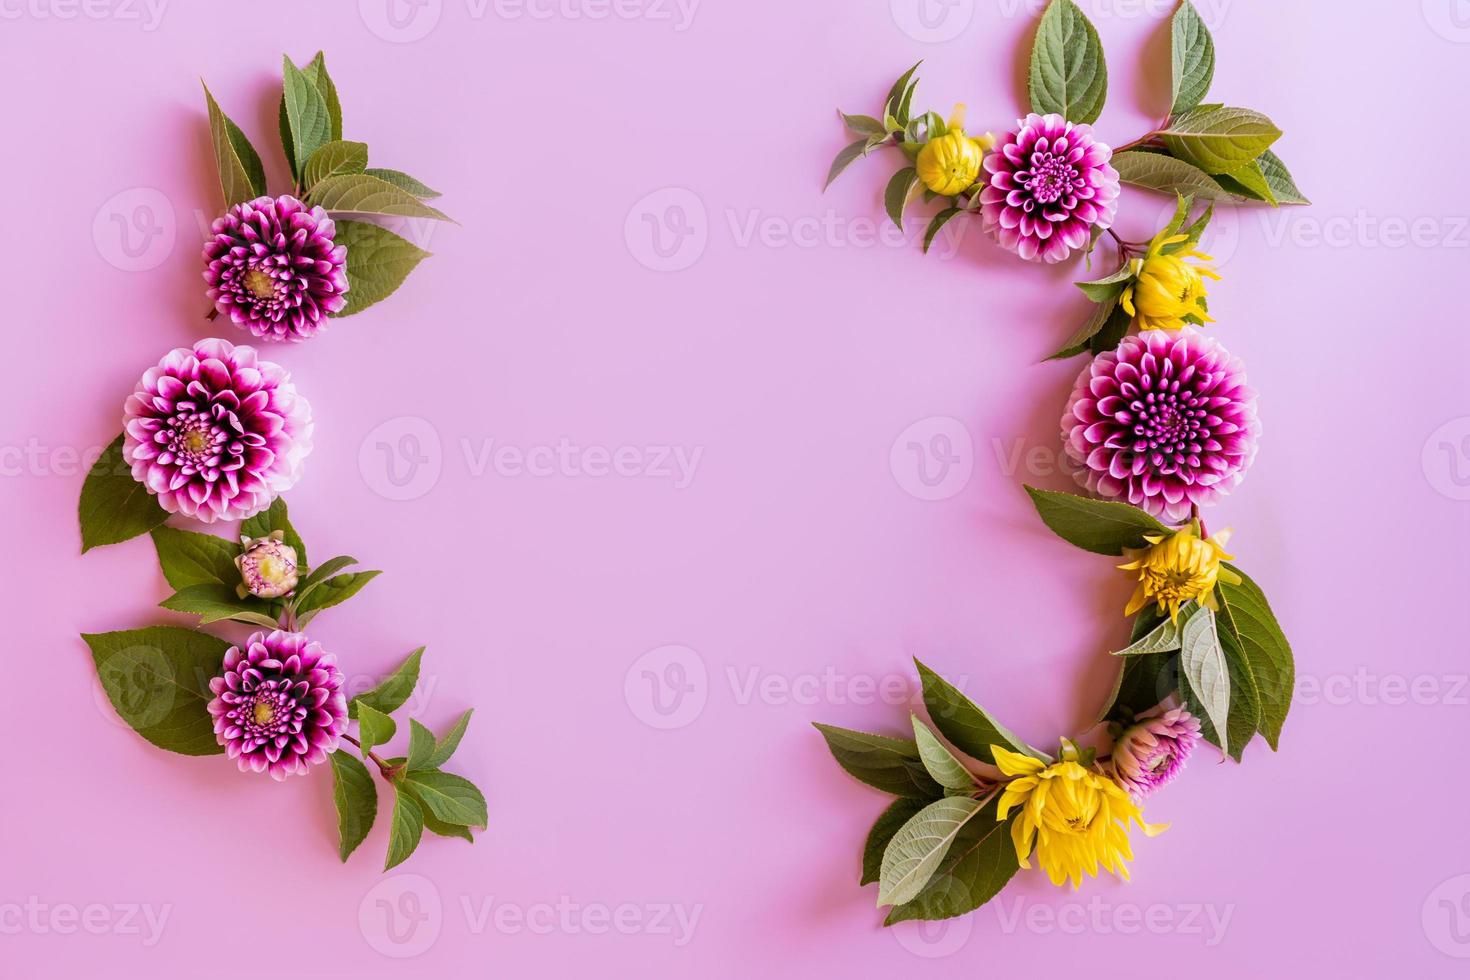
(1219, 139)
(1203, 668)
(1161, 172)
(977, 866)
(899, 812)
(365, 194)
(1247, 619)
(915, 852)
(403, 181)
(332, 158)
(306, 118)
(115, 507)
(158, 681)
(939, 761)
(1069, 75)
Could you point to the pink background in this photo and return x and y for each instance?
(791, 357)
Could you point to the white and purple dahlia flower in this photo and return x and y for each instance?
(273, 268)
(1165, 422)
(1151, 752)
(279, 705)
(215, 433)
(1050, 184)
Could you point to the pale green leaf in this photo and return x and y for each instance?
(916, 851)
(1069, 75)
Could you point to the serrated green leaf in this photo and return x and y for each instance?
(1203, 667)
(452, 799)
(308, 119)
(866, 125)
(241, 176)
(1069, 74)
(939, 221)
(1163, 638)
(403, 181)
(212, 602)
(978, 865)
(317, 72)
(1160, 172)
(1193, 58)
(888, 823)
(377, 263)
(896, 195)
(333, 158)
(158, 681)
(445, 747)
(374, 727)
(365, 194)
(890, 764)
(1112, 332)
(939, 761)
(407, 828)
(1110, 287)
(1219, 139)
(420, 746)
(356, 800)
(1245, 699)
(190, 558)
(901, 95)
(1283, 187)
(916, 851)
(389, 696)
(115, 507)
(1101, 314)
(1251, 181)
(967, 726)
(1104, 527)
(845, 158)
(433, 824)
(276, 518)
(1246, 617)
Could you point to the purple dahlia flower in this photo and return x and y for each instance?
(271, 265)
(1164, 422)
(279, 706)
(215, 433)
(1050, 184)
(1151, 751)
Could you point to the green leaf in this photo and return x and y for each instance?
(241, 176)
(979, 863)
(901, 96)
(1249, 180)
(1112, 332)
(1246, 618)
(307, 117)
(1100, 526)
(1145, 681)
(433, 824)
(1160, 172)
(444, 748)
(374, 727)
(158, 680)
(939, 761)
(115, 507)
(1283, 188)
(916, 851)
(1163, 638)
(1245, 700)
(420, 746)
(896, 195)
(1219, 139)
(1193, 57)
(189, 558)
(1068, 74)
(317, 72)
(377, 263)
(866, 125)
(336, 157)
(899, 812)
(212, 602)
(845, 158)
(965, 723)
(1202, 666)
(389, 696)
(337, 590)
(452, 799)
(276, 518)
(365, 194)
(407, 828)
(1109, 287)
(356, 799)
(938, 222)
(403, 181)
(890, 764)
(1193, 232)
(1101, 314)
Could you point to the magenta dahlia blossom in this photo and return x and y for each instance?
(1050, 184)
(1151, 751)
(279, 706)
(1164, 422)
(272, 267)
(215, 433)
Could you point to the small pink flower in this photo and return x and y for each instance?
(1152, 751)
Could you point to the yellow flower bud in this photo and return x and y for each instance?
(1179, 568)
(950, 164)
(1168, 287)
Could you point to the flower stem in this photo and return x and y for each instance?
(382, 766)
(213, 312)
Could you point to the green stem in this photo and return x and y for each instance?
(383, 767)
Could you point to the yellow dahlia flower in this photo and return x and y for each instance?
(1168, 288)
(1075, 818)
(950, 164)
(1179, 567)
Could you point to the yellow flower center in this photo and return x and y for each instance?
(264, 712)
(196, 440)
(260, 284)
